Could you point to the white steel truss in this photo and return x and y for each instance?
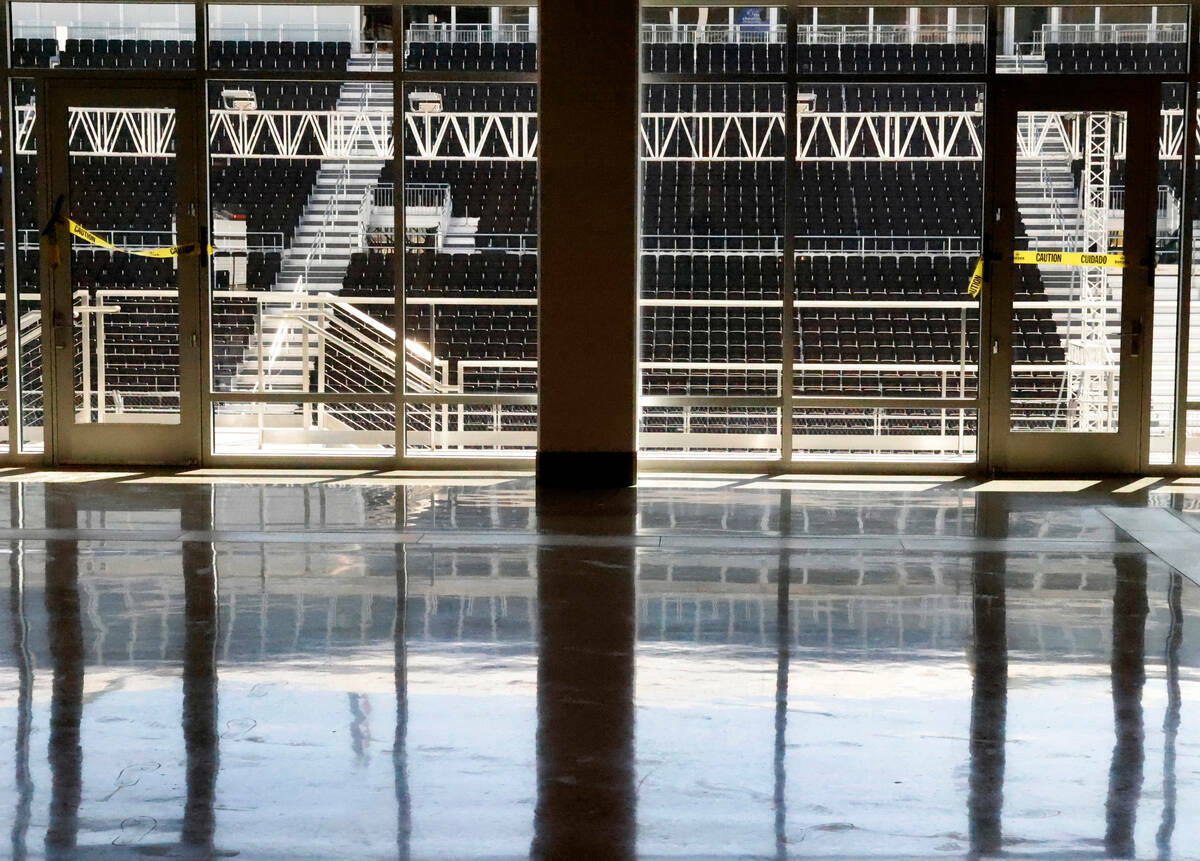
(890, 136)
(367, 134)
(363, 134)
(736, 136)
(473, 136)
(1092, 388)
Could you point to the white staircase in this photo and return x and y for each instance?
(330, 230)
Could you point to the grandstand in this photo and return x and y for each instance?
(878, 219)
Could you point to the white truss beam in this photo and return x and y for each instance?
(359, 135)
(367, 135)
(713, 136)
(890, 136)
(472, 136)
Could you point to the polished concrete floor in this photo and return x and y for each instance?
(360, 665)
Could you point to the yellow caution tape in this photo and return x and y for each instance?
(1057, 258)
(1070, 258)
(170, 251)
(975, 285)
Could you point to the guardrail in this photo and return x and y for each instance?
(471, 33)
(890, 34)
(671, 244)
(248, 32)
(713, 34)
(1121, 34)
(25, 30)
(887, 245)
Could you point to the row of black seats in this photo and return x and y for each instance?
(34, 52)
(718, 98)
(923, 57)
(466, 332)
(876, 198)
(269, 193)
(472, 56)
(426, 273)
(481, 98)
(128, 54)
(711, 276)
(1114, 57)
(284, 96)
(712, 198)
(310, 56)
(705, 58)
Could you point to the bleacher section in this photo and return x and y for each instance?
(919, 198)
(429, 274)
(481, 56)
(831, 57)
(34, 52)
(708, 58)
(502, 195)
(722, 198)
(166, 54)
(1089, 57)
(279, 56)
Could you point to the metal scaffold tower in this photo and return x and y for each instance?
(1092, 364)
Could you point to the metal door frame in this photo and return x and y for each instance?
(70, 442)
(1072, 452)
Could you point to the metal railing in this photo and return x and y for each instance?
(470, 33)
(430, 195)
(886, 245)
(890, 34)
(1122, 34)
(713, 34)
(248, 32)
(1116, 199)
(673, 244)
(148, 30)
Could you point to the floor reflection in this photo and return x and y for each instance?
(204, 696)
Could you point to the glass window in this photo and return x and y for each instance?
(470, 38)
(933, 39)
(294, 211)
(104, 35)
(712, 268)
(26, 191)
(714, 40)
(888, 228)
(1091, 39)
(470, 267)
(327, 37)
(1168, 220)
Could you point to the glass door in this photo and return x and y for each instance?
(123, 255)
(1071, 277)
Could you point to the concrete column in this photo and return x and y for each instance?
(587, 306)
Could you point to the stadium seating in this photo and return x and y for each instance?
(1089, 57)
(946, 57)
(471, 56)
(714, 58)
(34, 52)
(128, 54)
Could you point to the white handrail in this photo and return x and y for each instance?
(471, 33)
(890, 34)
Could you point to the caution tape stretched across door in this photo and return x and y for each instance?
(60, 220)
(1056, 258)
(86, 235)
